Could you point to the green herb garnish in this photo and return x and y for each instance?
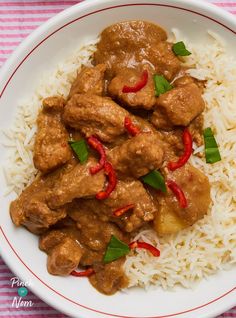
(80, 148)
(161, 84)
(212, 153)
(115, 250)
(155, 180)
(179, 49)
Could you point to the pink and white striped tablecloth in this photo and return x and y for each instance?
(17, 20)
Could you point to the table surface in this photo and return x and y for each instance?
(17, 20)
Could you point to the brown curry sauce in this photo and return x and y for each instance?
(61, 206)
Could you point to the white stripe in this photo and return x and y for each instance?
(26, 15)
(17, 23)
(15, 31)
(4, 282)
(5, 47)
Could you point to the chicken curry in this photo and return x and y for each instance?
(113, 157)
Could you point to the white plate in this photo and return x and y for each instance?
(18, 78)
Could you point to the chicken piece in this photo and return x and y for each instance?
(64, 257)
(196, 188)
(31, 209)
(123, 44)
(89, 80)
(196, 130)
(50, 239)
(77, 183)
(63, 249)
(68, 248)
(51, 149)
(125, 193)
(144, 98)
(137, 156)
(160, 120)
(180, 106)
(109, 278)
(100, 116)
(164, 60)
(53, 104)
(183, 80)
(90, 234)
(38, 216)
(186, 79)
(172, 144)
(95, 115)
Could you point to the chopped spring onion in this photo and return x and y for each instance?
(115, 250)
(80, 149)
(179, 49)
(155, 180)
(212, 153)
(161, 84)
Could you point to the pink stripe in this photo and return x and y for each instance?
(18, 27)
(9, 44)
(233, 11)
(7, 293)
(5, 52)
(30, 11)
(46, 308)
(4, 277)
(2, 59)
(39, 19)
(37, 315)
(225, 4)
(1, 260)
(6, 286)
(14, 288)
(45, 3)
(20, 35)
(13, 293)
(9, 301)
(4, 270)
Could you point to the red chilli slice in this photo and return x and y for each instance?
(88, 272)
(188, 146)
(124, 209)
(139, 85)
(112, 181)
(97, 145)
(130, 127)
(178, 193)
(153, 250)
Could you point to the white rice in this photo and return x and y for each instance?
(20, 170)
(210, 244)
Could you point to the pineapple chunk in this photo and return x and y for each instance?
(167, 222)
